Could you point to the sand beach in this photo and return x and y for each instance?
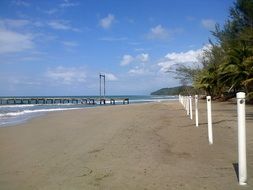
(138, 147)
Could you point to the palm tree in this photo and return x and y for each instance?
(208, 79)
(237, 71)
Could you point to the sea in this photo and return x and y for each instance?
(11, 115)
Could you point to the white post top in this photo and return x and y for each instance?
(196, 96)
(208, 97)
(240, 95)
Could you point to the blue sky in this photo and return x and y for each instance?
(59, 47)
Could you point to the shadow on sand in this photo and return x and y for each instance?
(235, 165)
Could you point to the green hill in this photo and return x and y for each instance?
(172, 91)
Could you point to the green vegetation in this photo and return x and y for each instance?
(173, 91)
(227, 66)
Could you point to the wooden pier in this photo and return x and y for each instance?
(59, 100)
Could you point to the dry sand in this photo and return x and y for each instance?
(147, 146)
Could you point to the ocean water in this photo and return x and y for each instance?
(15, 114)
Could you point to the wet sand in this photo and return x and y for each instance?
(140, 147)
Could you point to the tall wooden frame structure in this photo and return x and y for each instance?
(101, 82)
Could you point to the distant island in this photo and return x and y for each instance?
(171, 91)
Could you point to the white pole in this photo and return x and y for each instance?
(185, 102)
(187, 105)
(242, 163)
(209, 120)
(190, 98)
(196, 111)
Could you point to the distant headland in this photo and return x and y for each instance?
(171, 91)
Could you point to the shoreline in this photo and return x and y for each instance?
(136, 146)
(20, 118)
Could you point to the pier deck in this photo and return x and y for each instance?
(59, 100)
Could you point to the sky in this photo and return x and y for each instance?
(59, 47)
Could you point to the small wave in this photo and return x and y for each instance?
(17, 106)
(151, 100)
(13, 114)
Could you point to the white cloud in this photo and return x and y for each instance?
(188, 58)
(144, 57)
(139, 67)
(13, 23)
(24, 80)
(111, 77)
(208, 24)
(67, 76)
(64, 4)
(161, 33)
(106, 22)
(184, 57)
(21, 3)
(19, 23)
(67, 3)
(59, 25)
(113, 39)
(11, 42)
(70, 43)
(138, 71)
(158, 32)
(62, 25)
(126, 60)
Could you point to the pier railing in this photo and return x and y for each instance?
(59, 100)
